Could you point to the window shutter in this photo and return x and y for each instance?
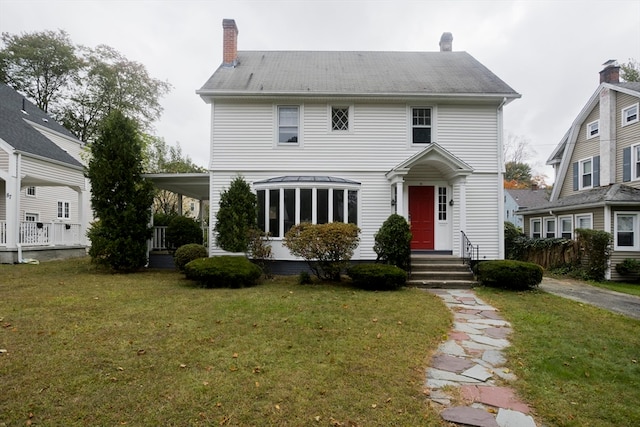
(626, 164)
(596, 171)
(576, 176)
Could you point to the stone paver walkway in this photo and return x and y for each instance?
(466, 375)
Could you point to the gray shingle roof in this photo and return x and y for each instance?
(527, 198)
(356, 73)
(615, 194)
(22, 136)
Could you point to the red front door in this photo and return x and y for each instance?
(421, 208)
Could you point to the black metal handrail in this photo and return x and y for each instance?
(470, 253)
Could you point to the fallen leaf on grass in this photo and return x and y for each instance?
(379, 336)
(235, 355)
(182, 366)
(141, 352)
(374, 405)
(277, 407)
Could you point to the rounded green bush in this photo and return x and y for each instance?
(377, 277)
(509, 274)
(187, 253)
(223, 272)
(393, 242)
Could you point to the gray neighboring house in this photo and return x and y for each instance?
(597, 165)
(45, 205)
(516, 199)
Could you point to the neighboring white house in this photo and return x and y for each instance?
(45, 203)
(326, 136)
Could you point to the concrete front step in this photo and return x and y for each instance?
(440, 271)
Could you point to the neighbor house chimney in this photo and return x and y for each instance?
(611, 72)
(229, 43)
(446, 42)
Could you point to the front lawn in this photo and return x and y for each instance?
(83, 347)
(625, 288)
(577, 364)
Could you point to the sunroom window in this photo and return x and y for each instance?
(536, 228)
(286, 201)
(566, 227)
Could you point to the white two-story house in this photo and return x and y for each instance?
(45, 199)
(326, 136)
(597, 168)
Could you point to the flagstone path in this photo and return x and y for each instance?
(466, 377)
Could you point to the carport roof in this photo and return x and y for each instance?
(194, 185)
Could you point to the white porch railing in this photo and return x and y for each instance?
(159, 240)
(44, 234)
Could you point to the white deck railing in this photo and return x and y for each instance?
(159, 239)
(44, 234)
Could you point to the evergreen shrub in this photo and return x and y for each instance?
(182, 231)
(377, 277)
(223, 272)
(187, 253)
(596, 247)
(509, 274)
(393, 242)
(628, 267)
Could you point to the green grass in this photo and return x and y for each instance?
(577, 364)
(84, 347)
(625, 288)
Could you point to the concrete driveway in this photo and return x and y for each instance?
(628, 305)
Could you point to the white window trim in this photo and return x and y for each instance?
(276, 126)
(36, 215)
(314, 202)
(560, 230)
(545, 229)
(581, 173)
(624, 112)
(330, 108)
(531, 228)
(636, 232)
(634, 161)
(410, 125)
(576, 220)
(597, 129)
(35, 191)
(68, 205)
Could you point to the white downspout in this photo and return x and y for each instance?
(17, 205)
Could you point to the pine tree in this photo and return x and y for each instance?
(236, 217)
(121, 198)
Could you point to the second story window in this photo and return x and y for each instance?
(586, 177)
(593, 129)
(31, 191)
(421, 125)
(340, 118)
(288, 124)
(630, 115)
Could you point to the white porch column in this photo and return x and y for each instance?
(400, 197)
(82, 215)
(460, 187)
(12, 186)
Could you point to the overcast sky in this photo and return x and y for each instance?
(548, 51)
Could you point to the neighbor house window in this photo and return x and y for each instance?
(30, 191)
(584, 221)
(536, 228)
(636, 161)
(626, 226)
(63, 210)
(586, 174)
(549, 228)
(566, 227)
(442, 203)
(421, 125)
(292, 200)
(288, 124)
(630, 115)
(340, 118)
(593, 129)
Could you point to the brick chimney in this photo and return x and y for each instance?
(229, 43)
(446, 42)
(611, 72)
